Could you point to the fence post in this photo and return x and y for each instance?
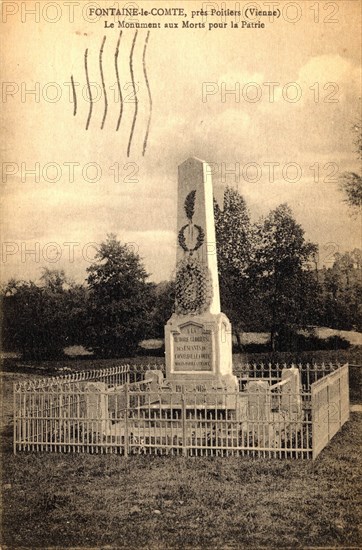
(339, 402)
(15, 419)
(183, 413)
(126, 448)
(328, 413)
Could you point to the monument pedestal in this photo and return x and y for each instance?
(198, 345)
(199, 351)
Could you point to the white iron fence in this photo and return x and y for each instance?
(115, 411)
(330, 407)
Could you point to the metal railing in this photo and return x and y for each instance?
(330, 407)
(108, 411)
(112, 376)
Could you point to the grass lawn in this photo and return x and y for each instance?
(87, 501)
(146, 502)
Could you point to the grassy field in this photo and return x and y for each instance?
(146, 502)
(100, 501)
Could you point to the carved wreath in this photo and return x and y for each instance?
(199, 240)
(193, 287)
(189, 206)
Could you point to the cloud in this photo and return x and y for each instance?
(328, 68)
(330, 79)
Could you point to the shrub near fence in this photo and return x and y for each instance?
(114, 410)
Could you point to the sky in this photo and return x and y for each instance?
(286, 146)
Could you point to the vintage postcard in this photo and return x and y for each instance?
(181, 273)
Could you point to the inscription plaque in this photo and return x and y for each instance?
(192, 348)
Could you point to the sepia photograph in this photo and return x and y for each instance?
(180, 274)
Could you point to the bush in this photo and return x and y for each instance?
(290, 340)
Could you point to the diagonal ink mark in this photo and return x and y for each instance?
(149, 94)
(74, 96)
(89, 88)
(103, 84)
(134, 92)
(118, 82)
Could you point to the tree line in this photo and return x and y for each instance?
(269, 279)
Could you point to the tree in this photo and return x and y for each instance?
(119, 300)
(351, 185)
(68, 300)
(232, 226)
(350, 182)
(342, 288)
(286, 287)
(22, 303)
(163, 303)
(54, 279)
(40, 320)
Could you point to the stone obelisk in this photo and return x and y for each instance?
(198, 337)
